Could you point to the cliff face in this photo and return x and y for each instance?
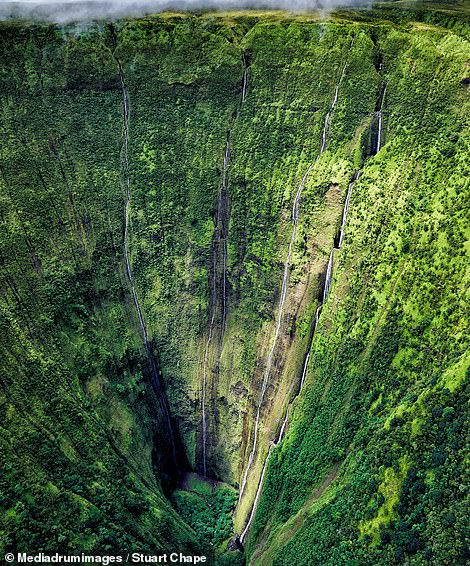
(229, 143)
(273, 136)
(385, 390)
(82, 430)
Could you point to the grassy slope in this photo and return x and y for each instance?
(372, 467)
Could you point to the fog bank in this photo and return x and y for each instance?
(86, 10)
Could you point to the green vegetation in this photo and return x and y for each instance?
(208, 510)
(373, 469)
(389, 358)
(80, 438)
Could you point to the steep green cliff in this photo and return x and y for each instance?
(374, 465)
(244, 132)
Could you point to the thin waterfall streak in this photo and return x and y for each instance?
(379, 133)
(125, 159)
(224, 289)
(257, 496)
(206, 357)
(244, 78)
(304, 370)
(325, 130)
(226, 155)
(329, 274)
(307, 357)
(282, 299)
(270, 359)
(204, 465)
(283, 427)
(220, 235)
(345, 212)
(261, 481)
(218, 231)
(295, 206)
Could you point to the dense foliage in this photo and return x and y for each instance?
(373, 468)
(385, 404)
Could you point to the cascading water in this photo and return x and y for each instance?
(379, 115)
(282, 299)
(261, 481)
(223, 236)
(329, 274)
(345, 211)
(244, 77)
(157, 386)
(307, 357)
(326, 291)
(204, 373)
(379, 133)
(219, 240)
(219, 248)
(257, 496)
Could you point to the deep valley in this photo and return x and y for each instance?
(235, 286)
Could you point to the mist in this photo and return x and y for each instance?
(66, 11)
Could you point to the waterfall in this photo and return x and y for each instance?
(307, 358)
(219, 239)
(326, 291)
(283, 427)
(282, 299)
(345, 211)
(379, 133)
(329, 272)
(285, 280)
(219, 242)
(204, 370)
(244, 78)
(157, 386)
(257, 496)
(263, 473)
(222, 233)
(304, 370)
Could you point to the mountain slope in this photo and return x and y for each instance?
(385, 400)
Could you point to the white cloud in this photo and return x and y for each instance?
(82, 10)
